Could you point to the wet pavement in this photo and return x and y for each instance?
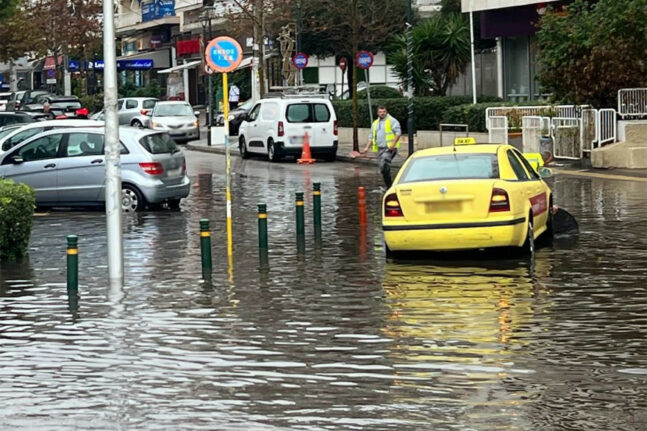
(331, 339)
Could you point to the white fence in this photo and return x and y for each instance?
(632, 102)
(498, 130)
(567, 139)
(532, 128)
(561, 111)
(606, 126)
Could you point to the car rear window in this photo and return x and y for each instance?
(148, 104)
(308, 113)
(451, 166)
(66, 103)
(158, 144)
(322, 114)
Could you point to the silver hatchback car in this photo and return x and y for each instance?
(66, 167)
(177, 119)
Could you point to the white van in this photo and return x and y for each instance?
(276, 127)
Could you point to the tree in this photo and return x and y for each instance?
(18, 36)
(7, 8)
(441, 52)
(587, 52)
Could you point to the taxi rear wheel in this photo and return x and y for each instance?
(528, 248)
(551, 216)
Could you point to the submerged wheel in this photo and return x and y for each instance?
(528, 248)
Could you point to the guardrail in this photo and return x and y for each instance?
(632, 102)
(606, 127)
(562, 111)
(567, 139)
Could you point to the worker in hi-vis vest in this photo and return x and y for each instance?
(385, 141)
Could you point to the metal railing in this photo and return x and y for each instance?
(567, 138)
(561, 111)
(498, 130)
(606, 127)
(464, 130)
(632, 102)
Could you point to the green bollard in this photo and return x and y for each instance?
(301, 228)
(262, 226)
(316, 209)
(205, 248)
(72, 265)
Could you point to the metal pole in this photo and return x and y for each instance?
(112, 149)
(299, 29)
(316, 209)
(410, 123)
(262, 227)
(72, 265)
(205, 248)
(368, 94)
(210, 116)
(225, 103)
(472, 52)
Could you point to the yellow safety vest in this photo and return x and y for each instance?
(388, 134)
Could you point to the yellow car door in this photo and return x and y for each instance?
(538, 194)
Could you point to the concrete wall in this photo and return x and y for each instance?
(631, 153)
(423, 139)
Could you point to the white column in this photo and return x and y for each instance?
(499, 67)
(473, 61)
(185, 75)
(67, 83)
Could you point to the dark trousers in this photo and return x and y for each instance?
(385, 157)
(233, 105)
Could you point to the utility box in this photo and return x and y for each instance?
(218, 136)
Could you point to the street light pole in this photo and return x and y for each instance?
(207, 21)
(410, 122)
(299, 30)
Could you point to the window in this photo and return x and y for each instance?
(270, 111)
(20, 137)
(322, 114)
(131, 104)
(451, 166)
(528, 166)
(84, 144)
(120, 104)
(517, 167)
(159, 143)
(173, 109)
(298, 113)
(148, 104)
(254, 114)
(41, 148)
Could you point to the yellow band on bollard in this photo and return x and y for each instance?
(72, 251)
(299, 203)
(316, 193)
(262, 216)
(205, 233)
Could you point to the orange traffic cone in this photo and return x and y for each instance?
(306, 157)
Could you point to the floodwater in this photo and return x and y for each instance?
(333, 338)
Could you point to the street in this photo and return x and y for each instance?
(335, 338)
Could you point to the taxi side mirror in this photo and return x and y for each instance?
(545, 172)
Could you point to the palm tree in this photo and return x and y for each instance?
(441, 52)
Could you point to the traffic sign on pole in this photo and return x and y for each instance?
(208, 70)
(342, 64)
(300, 60)
(364, 59)
(223, 54)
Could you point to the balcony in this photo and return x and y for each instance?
(127, 19)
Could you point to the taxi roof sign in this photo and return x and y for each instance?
(465, 141)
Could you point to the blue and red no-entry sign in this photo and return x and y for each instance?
(223, 54)
(300, 60)
(364, 59)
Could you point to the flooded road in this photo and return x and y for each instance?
(331, 339)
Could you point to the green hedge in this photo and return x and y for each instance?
(380, 92)
(17, 203)
(429, 112)
(474, 115)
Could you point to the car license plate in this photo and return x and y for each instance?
(296, 140)
(444, 207)
(174, 172)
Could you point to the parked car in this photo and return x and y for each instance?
(20, 100)
(14, 117)
(59, 107)
(276, 127)
(4, 99)
(20, 133)
(466, 197)
(66, 167)
(178, 119)
(14, 100)
(236, 117)
(132, 111)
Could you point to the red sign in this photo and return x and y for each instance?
(300, 60)
(364, 59)
(184, 47)
(342, 64)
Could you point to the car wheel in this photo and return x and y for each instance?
(174, 204)
(242, 146)
(271, 151)
(331, 157)
(131, 199)
(528, 248)
(137, 123)
(389, 254)
(551, 217)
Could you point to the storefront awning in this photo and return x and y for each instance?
(189, 65)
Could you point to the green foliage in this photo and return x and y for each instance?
(17, 202)
(592, 50)
(450, 6)
(129, 89)
(429, 112)
(7, 8)
(474, 115)
(93, 102)
(380, 92)
(441, 52)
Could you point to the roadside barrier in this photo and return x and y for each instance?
(361, 196)
(205, 248)
(72, 265)
(316, 210)
(301, 228)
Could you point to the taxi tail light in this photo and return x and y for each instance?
(499, 201)
(335, 128)
(392, 206)
(281, 129)
(152, 168)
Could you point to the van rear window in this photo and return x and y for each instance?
(308, 113)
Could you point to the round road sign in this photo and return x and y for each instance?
(364, 59)
(223, 54)
(300, 60)
(342, 63)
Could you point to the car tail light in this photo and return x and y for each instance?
(281, 129)
(143, 111)
(183, 166)
(60, 117)
(152, 168)
(392, 206)
(499, 201)
(335, 129)
(82, 112)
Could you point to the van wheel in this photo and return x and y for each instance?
(271, 151)
(242, 146)
(528, 247)
(131, 199)
(330, 157)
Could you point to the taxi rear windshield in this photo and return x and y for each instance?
(451, 166)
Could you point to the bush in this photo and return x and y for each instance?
(94, 102)
(474, 115)
(380, 92)
(429, 111)
(17, 203)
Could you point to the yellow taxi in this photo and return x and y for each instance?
(466, 197)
